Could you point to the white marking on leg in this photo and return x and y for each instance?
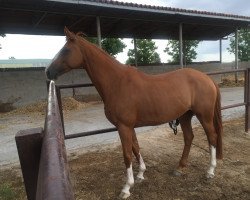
(142, 168)
(210, 172)
(129, 183)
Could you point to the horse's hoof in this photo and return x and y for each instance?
(124, 195)
(139, 180)
(210, 175)
(177, 173)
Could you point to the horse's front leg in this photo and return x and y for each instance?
(136, 151)
(126, 134)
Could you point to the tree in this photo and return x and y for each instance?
(189, 53)
(243, 45)
(1, 35)
(146, 53)
(112, 46)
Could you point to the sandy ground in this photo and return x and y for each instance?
(100, 174)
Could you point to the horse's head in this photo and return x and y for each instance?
(68, 58)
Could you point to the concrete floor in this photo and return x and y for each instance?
(90, 118)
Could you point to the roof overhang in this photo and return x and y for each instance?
(124, 20)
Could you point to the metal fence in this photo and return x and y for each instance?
(42, 153)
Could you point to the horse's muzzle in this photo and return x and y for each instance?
(50, 75)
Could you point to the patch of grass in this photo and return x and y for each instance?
(11, 185)
(7, 192)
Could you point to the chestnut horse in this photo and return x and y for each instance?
(134, 99)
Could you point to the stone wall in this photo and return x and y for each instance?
(23, 86)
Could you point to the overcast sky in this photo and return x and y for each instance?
(26, 46)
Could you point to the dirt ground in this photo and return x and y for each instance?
(100, 174)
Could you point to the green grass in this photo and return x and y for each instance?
(11, 185)
(7, 192)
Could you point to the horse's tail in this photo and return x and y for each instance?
(218, 124)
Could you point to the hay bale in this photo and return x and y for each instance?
(68, 104)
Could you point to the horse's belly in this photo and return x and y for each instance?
(159, 114)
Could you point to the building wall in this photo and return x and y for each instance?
(20, 87)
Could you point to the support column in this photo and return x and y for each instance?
(247, 99)
(135, 48)
(99, 35)
(220, 51)
(236, 54)
(180, 45)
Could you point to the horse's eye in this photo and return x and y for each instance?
(64, 52)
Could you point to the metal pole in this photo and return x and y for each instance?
(180, 45)
(135, 48)
(59, 99)
(53, 177)
(236, 54)
(247, 99)
(99, 37)
(220, 51)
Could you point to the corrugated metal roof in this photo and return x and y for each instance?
(118, 19)
(160, 8)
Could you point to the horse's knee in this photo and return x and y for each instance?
(127, 159)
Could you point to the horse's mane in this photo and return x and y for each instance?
(96, 48)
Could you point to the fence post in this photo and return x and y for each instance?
(29, 143)
(247, 99)
(59, 99)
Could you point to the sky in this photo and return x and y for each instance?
(32, 47)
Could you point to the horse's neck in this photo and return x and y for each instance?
(103, 70)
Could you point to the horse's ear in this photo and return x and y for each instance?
(81, 34)
(69, 35)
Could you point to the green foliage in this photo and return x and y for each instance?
(92, 40)
(189, 53)
(146, 53)
(2, 35)
(243, 45)
(6, 192)
(112, 46)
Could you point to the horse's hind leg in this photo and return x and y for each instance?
(136, 151)
(185, 122)
(208, 125)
